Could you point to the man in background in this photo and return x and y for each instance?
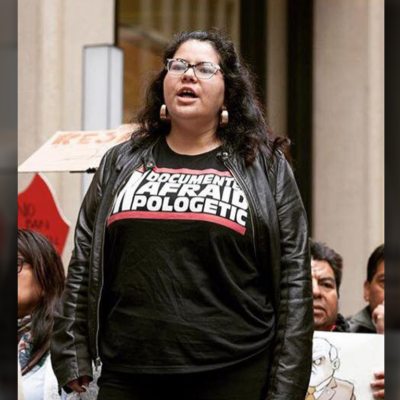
(327, 267)
(371, 319)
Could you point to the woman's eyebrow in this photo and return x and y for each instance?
(198, 62)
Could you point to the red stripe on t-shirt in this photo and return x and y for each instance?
(193, 171)
(177, 216)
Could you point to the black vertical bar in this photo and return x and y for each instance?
(392, 198)
(300, 102)
(116, 21)
(253, 40)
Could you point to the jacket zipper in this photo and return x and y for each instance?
(97, 361)
(242, 184)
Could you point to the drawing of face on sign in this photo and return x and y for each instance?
(323, 385)
(325, 361)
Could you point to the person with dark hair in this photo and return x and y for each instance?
(40, 285)
(371, 319)
(190, 276)
(327, 269)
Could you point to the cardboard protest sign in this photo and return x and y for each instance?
(38, 211)
(344, 365)
(75, 151)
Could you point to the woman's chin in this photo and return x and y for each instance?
(185, 114)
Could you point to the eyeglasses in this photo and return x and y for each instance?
(202, 70)
(20, 262)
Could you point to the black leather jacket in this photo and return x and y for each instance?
(281, 244)
(362, 322)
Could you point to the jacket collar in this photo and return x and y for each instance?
(364, 319)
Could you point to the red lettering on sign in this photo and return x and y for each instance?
(65, 138)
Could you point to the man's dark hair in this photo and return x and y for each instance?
(321, 252)
(374, 260)
(247, 132)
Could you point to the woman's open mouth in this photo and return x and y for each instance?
(187, 93)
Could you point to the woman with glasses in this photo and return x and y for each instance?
(40, 285)
(190, 276)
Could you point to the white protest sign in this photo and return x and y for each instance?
(75, 151)
(344, 365)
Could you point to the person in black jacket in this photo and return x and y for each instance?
(371, 319)
(190, 277)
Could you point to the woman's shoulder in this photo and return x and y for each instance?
(275, 167)
(114, 152)
(271, 160)
(131, 147)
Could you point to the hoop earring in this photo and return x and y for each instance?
(164, 113)
(224, 118)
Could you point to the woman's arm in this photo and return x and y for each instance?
(292, 354)
(69, 346)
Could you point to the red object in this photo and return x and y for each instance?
(38, 211)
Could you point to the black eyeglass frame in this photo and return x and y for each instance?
(189, 65)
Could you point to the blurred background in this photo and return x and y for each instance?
(319, 65)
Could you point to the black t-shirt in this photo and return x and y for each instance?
(183, 291)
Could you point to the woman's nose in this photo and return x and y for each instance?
(189, 74)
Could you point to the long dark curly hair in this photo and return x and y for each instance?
(247, 131)
(49, 274)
